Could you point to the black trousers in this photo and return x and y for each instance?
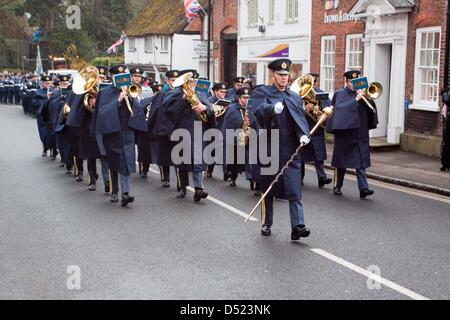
(164, 171)
(92, 170)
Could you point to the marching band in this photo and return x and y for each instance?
(92, 117)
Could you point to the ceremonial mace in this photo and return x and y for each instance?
(326, 114)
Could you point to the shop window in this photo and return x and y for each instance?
(426, 75)
(327, 63)
(164, 44)
(249, 71)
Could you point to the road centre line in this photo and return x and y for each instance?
(218, 202)
(370, 275)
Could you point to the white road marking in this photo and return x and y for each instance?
(218, 202)
(370, 275)
(385, 185)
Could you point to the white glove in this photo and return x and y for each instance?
(304, 140)
(278, 108)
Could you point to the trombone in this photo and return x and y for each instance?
(373, 91)
(133, 91)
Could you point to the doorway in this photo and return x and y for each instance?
(383, 74)
(229, 70)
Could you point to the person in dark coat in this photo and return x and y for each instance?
(316, 150)
(351, 121)
(219, 92)
(116, 123)
(41, 96)
(277, 108)
(238, 82)
(236, 117)
(160, 128)
(62, 131)
(46, 111)
(180, 112)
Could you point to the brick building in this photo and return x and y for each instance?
(399, 43)
(224, 37)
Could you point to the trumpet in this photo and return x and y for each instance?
(183, 81)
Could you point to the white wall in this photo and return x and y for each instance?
(140, 56)
(183, 48)
(252, 43)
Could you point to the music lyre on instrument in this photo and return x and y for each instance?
(326, 114)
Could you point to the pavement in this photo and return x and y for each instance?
(406, 169)
(395, 245)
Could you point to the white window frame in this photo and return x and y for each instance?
(291, 11)
(323, 78)
(419, 104)
(131, 44)
(149, 49)
(348, 39)
(271, 19)
(163, 49)
(252, 13)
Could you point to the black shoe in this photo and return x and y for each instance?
(209, 174)
(227, 177)
(80, 178)
(365, 193)
(44, 153)
(69, 172)
(324, 181)
(265, 231)
(299, 232)
(258, 193)
(92, 187)
(337, 191)
(107, 186)
(182, 194)
(144, 175)
(114, 197)
(445, 168)
(200, 194)
(61, 164)
(252, 186)
(233, 183)
(126, 199)
(166, 184)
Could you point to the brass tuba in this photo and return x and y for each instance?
(183, 81)
(87, 83)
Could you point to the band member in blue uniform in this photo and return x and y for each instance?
(238, 82)
(219, 92)
(117, 124)
(184, 117)
(160, 128)
(237, 118)
(351, 121)
(316, 150)
(276, 108)
(41, 96)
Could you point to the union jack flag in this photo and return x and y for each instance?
(192, 8)
(116, 44)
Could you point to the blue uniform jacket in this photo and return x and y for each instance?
(291, 124)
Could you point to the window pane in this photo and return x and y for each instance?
(430, 40)
(437, 41)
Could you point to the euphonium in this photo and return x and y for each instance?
(304, 87)
(87, 83)
(183, 81)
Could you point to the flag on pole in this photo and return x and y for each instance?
(39, 68)
(192, 8)
(116, 44)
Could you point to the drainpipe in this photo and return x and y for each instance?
(447, 48)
